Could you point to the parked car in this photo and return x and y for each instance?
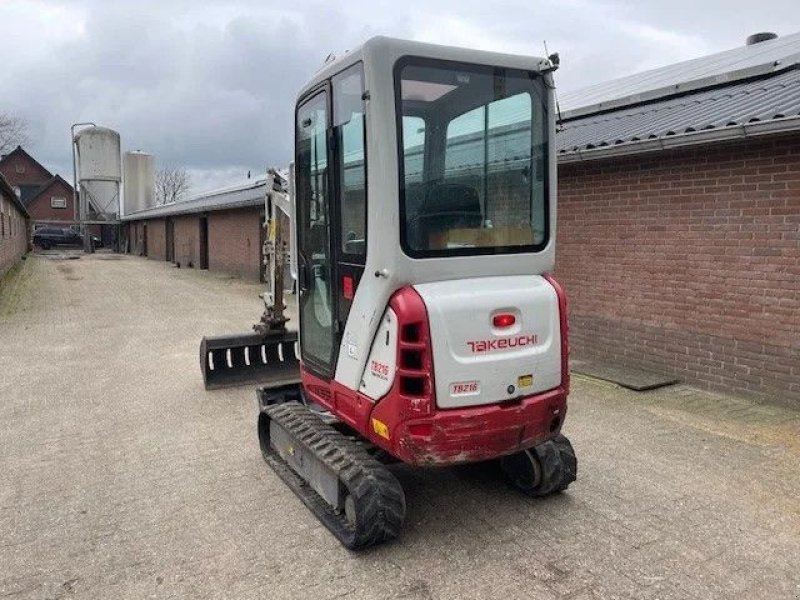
(47, 237)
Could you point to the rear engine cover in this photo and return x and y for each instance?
(476, 362)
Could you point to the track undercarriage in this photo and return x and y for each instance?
(347, 489)
(339, 475)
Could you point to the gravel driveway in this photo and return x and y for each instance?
(121, 477)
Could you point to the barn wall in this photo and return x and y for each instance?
(14, 233)
(234, 238)
(688, 262)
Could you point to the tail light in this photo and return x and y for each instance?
(503, 320)
(414, 359)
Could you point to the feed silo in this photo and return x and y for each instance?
(99, 173)
(139, 188)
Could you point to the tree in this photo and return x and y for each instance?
(172, 184)
(13, 132)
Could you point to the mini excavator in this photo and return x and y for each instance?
(421, 209)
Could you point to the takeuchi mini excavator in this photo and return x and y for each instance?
(422, 205)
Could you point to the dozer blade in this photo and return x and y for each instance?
(250, 359)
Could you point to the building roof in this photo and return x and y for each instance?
(243, 196)
(747, 101)
(7, 190)
(762, 58)
(755, 107)
(27, 191)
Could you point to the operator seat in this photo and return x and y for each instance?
(448, 206)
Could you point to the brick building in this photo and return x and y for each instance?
(679, 220)
(14, 227)
(47, 197)
(220, 231)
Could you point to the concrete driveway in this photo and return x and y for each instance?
(120, 477)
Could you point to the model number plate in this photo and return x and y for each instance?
(465, 388)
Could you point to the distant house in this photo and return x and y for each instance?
(52, 201)
(46, 197)
(14, 227)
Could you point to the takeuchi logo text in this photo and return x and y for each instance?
(481, 346)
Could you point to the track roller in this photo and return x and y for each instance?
(545, 469)
(350, 492)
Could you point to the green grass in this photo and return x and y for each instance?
(15, 286)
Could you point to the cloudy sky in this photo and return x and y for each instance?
(209, 85)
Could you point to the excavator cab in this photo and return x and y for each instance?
(430, 330)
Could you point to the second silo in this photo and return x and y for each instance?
(139, 189)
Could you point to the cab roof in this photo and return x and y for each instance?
(381, 52)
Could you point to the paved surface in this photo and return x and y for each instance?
(120, 477)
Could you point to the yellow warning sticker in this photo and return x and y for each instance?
(525, 380)
(380, 428)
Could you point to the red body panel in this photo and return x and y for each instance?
(421, 434)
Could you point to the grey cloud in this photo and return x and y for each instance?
(211, 85)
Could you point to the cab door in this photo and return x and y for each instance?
(314, 249)
(331, 204)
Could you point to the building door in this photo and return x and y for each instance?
(204, 242)
(315, 264)
(170, 250)
(144, 239)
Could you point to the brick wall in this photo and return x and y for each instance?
(234, 239)
(41, 208)
(187, 241)
(688, 262)
(19, 169)
(14, 234)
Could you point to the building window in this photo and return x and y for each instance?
(58, 202)
(20, 168)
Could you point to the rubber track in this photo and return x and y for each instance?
(378, 498)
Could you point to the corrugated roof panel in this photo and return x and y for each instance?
(252, 194)
(756, 100)
(705, 71)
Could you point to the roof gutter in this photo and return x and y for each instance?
(692, 138)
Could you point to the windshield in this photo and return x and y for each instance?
(473, 158)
